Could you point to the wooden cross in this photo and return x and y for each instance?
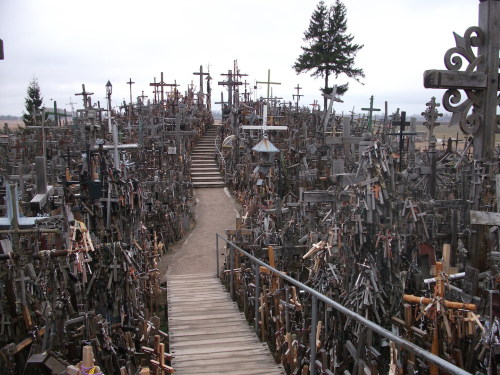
(161, 84)
(298, 95)
(85, 95)
(479, 80)
(370, 113)
(142, 97)
(201, 74)
(315, 105)
(269, 83)
(230, 83)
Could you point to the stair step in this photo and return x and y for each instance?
(206, 174)
(204, 170)
(208, 184)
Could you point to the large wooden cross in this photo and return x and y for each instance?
(201, 74)
(479, 80)
(230, 83)
(85, 95)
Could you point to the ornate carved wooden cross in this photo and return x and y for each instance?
(479, 81)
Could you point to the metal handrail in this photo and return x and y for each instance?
(220, 157)
(438, 361)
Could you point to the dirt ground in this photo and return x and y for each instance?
(216, 210)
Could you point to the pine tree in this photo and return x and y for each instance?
(33, 104)
(330, 50)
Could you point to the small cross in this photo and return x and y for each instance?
(115, 267)
(314, 104)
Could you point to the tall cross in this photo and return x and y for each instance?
(246, 93)
(85, 95)
(161, 84)
(298, 95)
(269, 83)
(201, 74)
(431, 114)
(370, 113)
(402, 124)
(479, 80)
(130, 83)
(230, 83)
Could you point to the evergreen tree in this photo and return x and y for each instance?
(330, 50)
(33, 104)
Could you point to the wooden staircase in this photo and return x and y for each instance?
(204, 170)
(208, 334)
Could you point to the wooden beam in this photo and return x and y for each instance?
(445, 79)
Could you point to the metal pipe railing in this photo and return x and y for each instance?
(438, 361)
(220, 156)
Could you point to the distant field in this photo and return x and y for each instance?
(12, 124)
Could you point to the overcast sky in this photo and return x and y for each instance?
(65, 43)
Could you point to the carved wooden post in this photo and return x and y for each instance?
(479, 81)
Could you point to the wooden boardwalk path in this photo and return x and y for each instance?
(208, 334)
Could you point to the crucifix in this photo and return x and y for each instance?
(370, 113)
(85, 95)
(298, 95)
(201, 74)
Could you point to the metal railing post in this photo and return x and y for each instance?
(287, 299)
(231, 265)
(217, 253)
(312, 339)
(257, 299)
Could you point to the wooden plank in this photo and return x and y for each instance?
(484, 218)
(440, 79)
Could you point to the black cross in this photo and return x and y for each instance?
(298, 95)
(402, 124)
